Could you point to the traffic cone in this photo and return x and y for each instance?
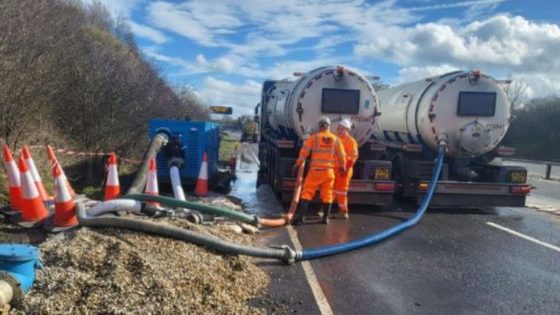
(14, 179)
(54, 161)
(201, 188)
(33, 207)
(64, 204)
(35, 175)
(152, 182)
(112, 187)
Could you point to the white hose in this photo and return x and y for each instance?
(114, 206)
(176, 183)
(6, 293)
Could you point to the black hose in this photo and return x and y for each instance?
(284, 253)
(139, 182)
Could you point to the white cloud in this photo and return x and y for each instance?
(195, 20)
(459, 4)
(242, 97)
(117, 7)
(499, 41)
(148, 32)
(250, 31)
(501, 44)
(408, 74)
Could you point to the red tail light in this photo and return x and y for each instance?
(384, 186)
(521, 190)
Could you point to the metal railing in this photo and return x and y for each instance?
(548, 164)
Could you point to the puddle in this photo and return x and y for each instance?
(260, 201)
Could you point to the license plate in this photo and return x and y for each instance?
(381, 173)
(518, 177)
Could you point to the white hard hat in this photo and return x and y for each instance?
(346, 123)
(324, 120)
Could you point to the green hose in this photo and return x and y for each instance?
(172, 202)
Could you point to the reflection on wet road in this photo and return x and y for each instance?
(453, 262)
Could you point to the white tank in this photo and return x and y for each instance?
(294, 107)
(471, 108)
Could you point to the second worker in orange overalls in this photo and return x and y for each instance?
(327, 154)
(342, 181)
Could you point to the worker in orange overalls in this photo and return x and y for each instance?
(342, 181)
(326, 153)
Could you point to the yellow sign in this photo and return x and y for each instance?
(518, 177)
(221, 110)
(381, 173)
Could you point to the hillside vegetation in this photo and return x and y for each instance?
(72, 76)
(535, 130)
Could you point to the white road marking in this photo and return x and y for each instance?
(320, 297)
(532, 239)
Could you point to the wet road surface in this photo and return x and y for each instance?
(453, 262)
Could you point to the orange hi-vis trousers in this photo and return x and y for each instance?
(316, 179)
(341, 186)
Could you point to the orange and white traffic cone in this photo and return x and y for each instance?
(112, 186)
(33, 209)
(201, 188)
(35, 174)
(64, 204)
(14, 179)
(152, 182)
(54, 161)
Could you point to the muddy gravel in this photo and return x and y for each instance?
(112, 271)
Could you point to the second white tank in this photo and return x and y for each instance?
(470, 108)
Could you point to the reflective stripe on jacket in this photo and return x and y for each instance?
(325, 149)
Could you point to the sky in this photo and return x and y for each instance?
(225, 49)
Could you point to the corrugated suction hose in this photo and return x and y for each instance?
(283, 253)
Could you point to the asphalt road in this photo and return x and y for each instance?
(453, 262)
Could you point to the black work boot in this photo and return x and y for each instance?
(301, 211)
(327, 212)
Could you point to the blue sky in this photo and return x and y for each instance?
(225, 49)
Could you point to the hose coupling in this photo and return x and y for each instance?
(442, 138)
(256, 222)
(289, 256)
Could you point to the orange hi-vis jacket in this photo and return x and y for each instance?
(326, 151)
(342, 182)
(351, 149)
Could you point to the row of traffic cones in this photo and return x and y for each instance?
(29, 196)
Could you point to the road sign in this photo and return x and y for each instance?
(224, 110)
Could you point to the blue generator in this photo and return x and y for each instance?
(193, 138)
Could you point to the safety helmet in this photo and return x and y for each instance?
(324, 120)
(346, 123)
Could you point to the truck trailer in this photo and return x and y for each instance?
(289, 111)
(471, 111)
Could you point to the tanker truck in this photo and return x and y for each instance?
(288, 113)
(472, 112)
